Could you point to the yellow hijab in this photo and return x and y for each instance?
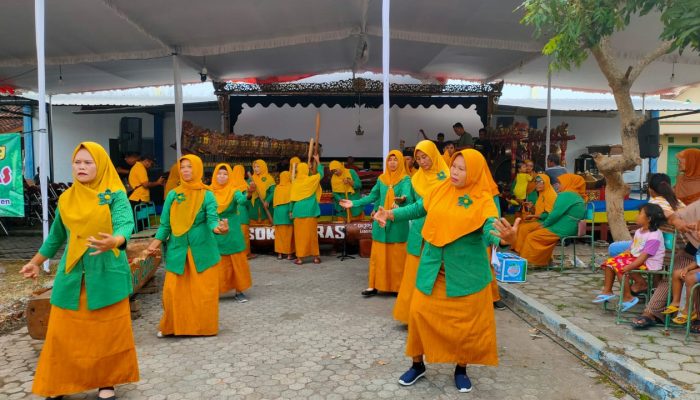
(283, 191)
(262, 181)
(455, 212)
(545, 198)
(424, 181)
(305, 185)
(84, 208)
(238, 179)
(189, 197)
(173, 178)
(391, 179)
(337, 182)
(292, 162)
(573, 183)
(223, 193)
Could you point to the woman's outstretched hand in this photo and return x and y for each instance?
(505, 231)
(106, 243)
(382, 215)
(345, 203)
(30, 270)
(222, 228)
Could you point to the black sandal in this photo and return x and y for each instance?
(695, 327)
(644, 322)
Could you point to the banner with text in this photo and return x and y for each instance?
(11, 185)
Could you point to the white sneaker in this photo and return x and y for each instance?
(159, 334)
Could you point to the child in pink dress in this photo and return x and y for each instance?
(646, 253)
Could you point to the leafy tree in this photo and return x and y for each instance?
(575, 28)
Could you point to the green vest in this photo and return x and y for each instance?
(394, 231)
(280, 215)
(199, 239)
(569, 208)
(232, 242)
(107, 278)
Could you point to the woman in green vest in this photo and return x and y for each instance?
(188, 224)
(234, 271)
(304, 197)
(262, 186)
(432, 172)
(392, 190)
(346, 185)
(284, 230)
(451, 319)
(240, 185)
(89, 342)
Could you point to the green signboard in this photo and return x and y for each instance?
(11, 185)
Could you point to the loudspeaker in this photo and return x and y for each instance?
(130, 135)
(648, 136)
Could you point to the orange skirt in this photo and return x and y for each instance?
(538, 247)
(457, 330)
(284, 239)
(306, 237)
(245, 229)
(386, 264)
(86, 350)
(191, 301)
(408, 283)
(234, 272)
(524, 229)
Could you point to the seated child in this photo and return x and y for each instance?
(520, 187)
(646, 253)
(690, 276)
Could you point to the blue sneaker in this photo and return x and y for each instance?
(463, 383)
(411, 376)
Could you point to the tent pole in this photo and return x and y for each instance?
(43, 131)
(178, 105)
(548, 131)
(386, 38)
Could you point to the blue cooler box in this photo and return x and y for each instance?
(510, 268)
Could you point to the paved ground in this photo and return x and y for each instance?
(307, 333)
(570, 295)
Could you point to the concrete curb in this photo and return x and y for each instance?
(632, 372)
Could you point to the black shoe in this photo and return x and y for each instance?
(369, 293)
(499, 305)
(55, 398)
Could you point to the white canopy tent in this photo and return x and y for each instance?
(111, 44)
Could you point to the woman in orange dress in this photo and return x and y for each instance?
(451, 319)
(188, 224)
(546, 196)
(89, 343)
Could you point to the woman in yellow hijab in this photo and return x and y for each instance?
(546, 195)
(432, 171)
(568, 209)
(188, 224)
(346, 185)
(284, 230)
(89, 343)
(304, 196)
(262, 184)
(386, 263)
(239, 184)
(451, 319)
(234, 271)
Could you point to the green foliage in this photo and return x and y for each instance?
(573, 26)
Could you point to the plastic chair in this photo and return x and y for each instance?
(143, 212)
(669, 244)
(689, 323)
(583, 226)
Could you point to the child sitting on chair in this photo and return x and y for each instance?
(690, 277)
(520, 186)
(646, 253)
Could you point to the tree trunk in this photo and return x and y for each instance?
(615, 192)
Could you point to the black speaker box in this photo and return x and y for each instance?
(648, 136)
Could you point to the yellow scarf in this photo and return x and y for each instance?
(424, 181)
(85, 209)
(223, 193)
(173, 178)
(391, 179)
(283, 191)
(238, 179)
(262, 181)
(337, 182)
(189, 197)
(545, 198)
(455, 212)
(573, 183)
(304, 185)
(292, 169)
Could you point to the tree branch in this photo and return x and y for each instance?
(663, 48)
(603, 55)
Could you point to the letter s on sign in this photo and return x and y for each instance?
(2, 152)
